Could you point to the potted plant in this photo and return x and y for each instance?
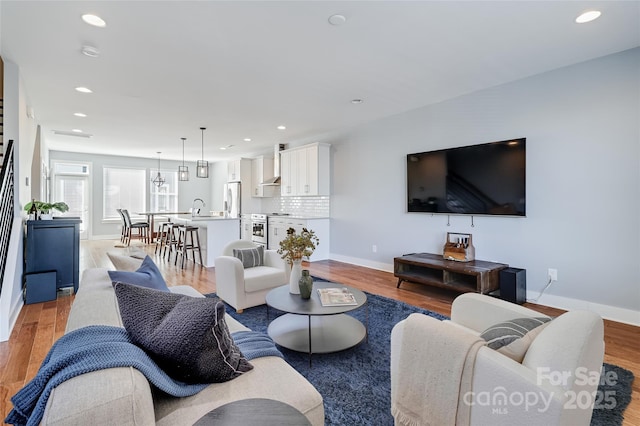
(44, 209)
(293, 248)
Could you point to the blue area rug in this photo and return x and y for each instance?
(355, 383)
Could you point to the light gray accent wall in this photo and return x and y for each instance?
(187, 190)
(583, 180)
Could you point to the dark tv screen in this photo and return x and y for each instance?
(485, 179)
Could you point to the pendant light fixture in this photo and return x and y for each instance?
(183, 171)
(158, 180)
(202, 169)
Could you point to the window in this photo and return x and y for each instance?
(123, 189)
(71, 183)
(71, 169)
(165, 198)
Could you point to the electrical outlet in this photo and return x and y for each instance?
(553, 274)
(374, 248)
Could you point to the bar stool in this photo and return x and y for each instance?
(170, 240)
(162, 236)
(186, 233)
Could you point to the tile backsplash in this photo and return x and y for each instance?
(303, 206)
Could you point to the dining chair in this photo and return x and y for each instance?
(123, 232)
(142, 227)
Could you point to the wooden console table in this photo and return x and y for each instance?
(432, 269)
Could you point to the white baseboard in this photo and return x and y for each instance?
(104, 237)
(386, 267)
(613, 313)
(11, 295)
(15, 311)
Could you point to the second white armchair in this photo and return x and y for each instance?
(555, 383)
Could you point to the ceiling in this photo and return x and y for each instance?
(241, 68)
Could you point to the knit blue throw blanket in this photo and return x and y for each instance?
(98, 347)
(253, 344)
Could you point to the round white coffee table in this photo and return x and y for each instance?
(310, 327)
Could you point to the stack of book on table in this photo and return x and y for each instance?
(336, 297)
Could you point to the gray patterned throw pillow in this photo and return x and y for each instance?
(513, 338)
(186, 336)
(251, 257)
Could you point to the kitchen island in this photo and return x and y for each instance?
(215, 232)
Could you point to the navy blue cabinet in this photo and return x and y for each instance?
(52, 245)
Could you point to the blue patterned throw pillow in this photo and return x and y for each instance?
(147, 275)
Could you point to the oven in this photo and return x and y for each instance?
(259, 230)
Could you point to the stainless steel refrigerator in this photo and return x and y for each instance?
(232, 199)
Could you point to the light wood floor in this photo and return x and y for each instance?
(39, 325)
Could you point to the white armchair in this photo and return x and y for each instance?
(555, 384)
(243, 288)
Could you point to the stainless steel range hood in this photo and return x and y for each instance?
(275, 180)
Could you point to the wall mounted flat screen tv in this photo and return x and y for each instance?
(485, 179)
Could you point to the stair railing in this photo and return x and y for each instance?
(6, 206)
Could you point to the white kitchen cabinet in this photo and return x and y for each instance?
(239, 170)
(296, 224)
(277, 228)
(305, 170)
(245, 225)
(233, 170)
(261, 170)
(287, 185)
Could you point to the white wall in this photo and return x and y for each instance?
(583, 181)
(22, 129)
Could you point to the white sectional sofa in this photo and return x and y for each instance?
(123, 395)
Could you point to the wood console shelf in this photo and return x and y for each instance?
(432, 269)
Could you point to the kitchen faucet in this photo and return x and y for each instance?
(194, 211)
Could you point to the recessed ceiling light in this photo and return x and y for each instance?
(84, 90)
(226, 147)
(337, 20)
(588, 16)
(79, 114)
(94, 20)
(281, 127)
(76, 130)
(356, 101)
(90, 51)
(247, 139)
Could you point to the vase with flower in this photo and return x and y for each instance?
(293, 249)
